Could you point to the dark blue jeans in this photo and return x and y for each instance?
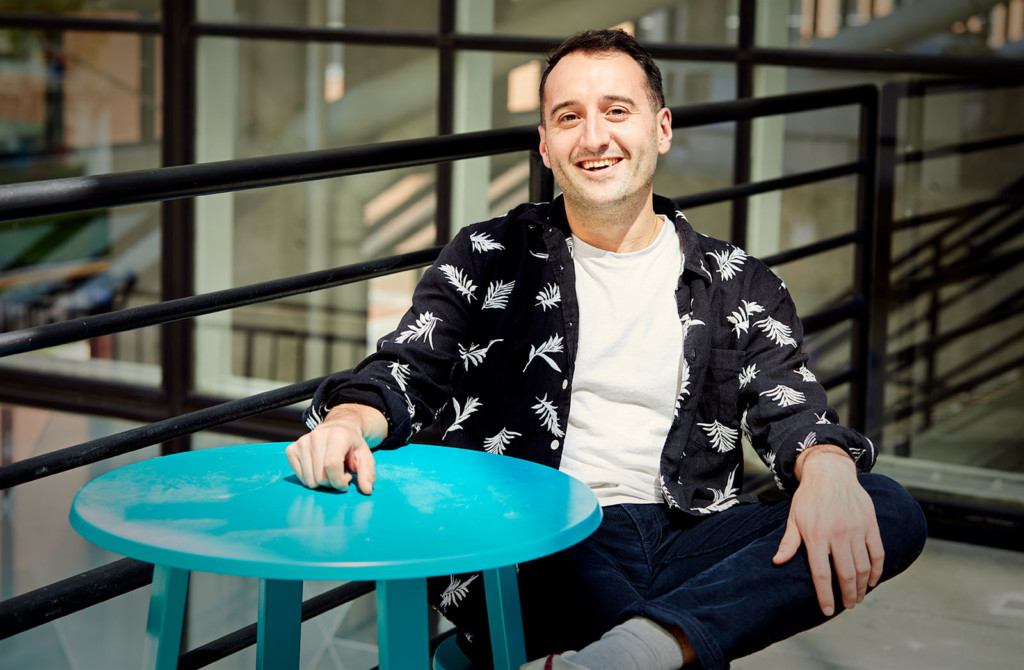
(713, 577)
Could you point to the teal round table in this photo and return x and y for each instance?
(239, 510)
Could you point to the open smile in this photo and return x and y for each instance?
(598, 164)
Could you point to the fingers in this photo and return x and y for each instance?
(789, 545)
(328, 455)
(821, 576)
(877, 552)
(361, 462)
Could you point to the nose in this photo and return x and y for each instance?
(595, 135)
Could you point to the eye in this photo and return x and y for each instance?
(618, 113)
(568, 118)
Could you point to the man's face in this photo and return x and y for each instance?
(601, 135)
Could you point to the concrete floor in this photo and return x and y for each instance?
(958, 607)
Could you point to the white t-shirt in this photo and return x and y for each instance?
(627, 368)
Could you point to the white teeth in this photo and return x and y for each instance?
(604, 162)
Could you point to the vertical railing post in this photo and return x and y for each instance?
(864, 257)
(881, 263)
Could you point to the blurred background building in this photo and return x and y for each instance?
(95, 87)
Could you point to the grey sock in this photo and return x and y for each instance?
(637, 644)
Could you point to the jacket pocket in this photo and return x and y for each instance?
(718, 422)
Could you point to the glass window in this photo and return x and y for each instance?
(93, 8)
(652, 21)
(74, 104)
(381, 14)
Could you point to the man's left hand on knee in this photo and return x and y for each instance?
(832, 515)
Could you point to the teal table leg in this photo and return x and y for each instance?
(402, 628)
(278, 628)
(506, 620)
(166, 613)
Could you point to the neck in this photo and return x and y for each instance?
(624, 228)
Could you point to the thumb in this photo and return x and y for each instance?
(789, 545)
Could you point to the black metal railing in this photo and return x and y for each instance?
(961, 250)
(82, 193)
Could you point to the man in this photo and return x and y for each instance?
(601, 335)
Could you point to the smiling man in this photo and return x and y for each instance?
(601, 335)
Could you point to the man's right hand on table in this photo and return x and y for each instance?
(338, 447)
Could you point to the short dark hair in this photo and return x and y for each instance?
(604, 41)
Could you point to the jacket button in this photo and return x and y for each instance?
(554, 444)
(565, 384)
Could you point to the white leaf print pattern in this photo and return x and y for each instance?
(498, 443)
(807, 442)
(549, 296)
(422, 329)
(722, 499)
(784, 395)
(400, 372)
(483, 242)
(745, 428)
(729, 262)
(476, 353)
(777, 332)
(455, 591)
(460, 280)
(548, 413)
(723, 438)
(497, 295)
(668, 496)
(684, 385)
(822, 418)
(462, 413)
(769, 460)
(689, 322)
(805, 374)
(748, 374)
(552, 345)
(543, 257)
(740, 319)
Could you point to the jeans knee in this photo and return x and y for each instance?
(901, 522)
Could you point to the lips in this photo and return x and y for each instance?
(598, 164)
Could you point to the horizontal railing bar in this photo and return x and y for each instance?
(79, 23)
(58, 196)
(222, 647)
(960, 148)
(71, 194)
(839, 378)
(41, 337)
(791, 255)
(957, 272)
(779, 183)
(935, 395)
(960, 212)
(340, 35)
(59, 599)
(853, 308)
(969, 67)
(93, 451)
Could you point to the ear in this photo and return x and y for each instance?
(664, 130)
(543, 148)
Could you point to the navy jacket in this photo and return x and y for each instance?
(488, 348)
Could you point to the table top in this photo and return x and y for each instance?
(239, 510)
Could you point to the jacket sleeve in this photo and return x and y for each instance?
(784, 408)
(408, 378)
